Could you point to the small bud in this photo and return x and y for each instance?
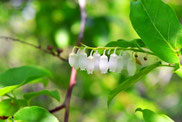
(59, 51)
(145, 58)
(50, 47)
(103, 65)
(96, 56)
(136, 56)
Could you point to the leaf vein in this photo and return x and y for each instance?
(156, 27)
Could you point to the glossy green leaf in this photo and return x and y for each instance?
(125, 44)
(34, 114)
(156, 29)
(150, 116)
(53, 94)
(179, 39)
(178, 70)
(131, 81)
(9, 106)
(16, 77)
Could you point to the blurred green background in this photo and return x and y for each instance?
(57, 22)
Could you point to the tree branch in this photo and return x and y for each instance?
(35, 46)
(57, 108)
(66, 103)
(82, 4)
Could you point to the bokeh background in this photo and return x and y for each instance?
(57, 22)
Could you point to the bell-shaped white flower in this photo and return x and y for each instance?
(96, 56)
(120, 64)
(131, 66)
(82, 59)
(113, 61)
(103, 64)
(126, 57)
(90, 64)
(73, 59)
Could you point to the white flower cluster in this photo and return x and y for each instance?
(96, 62)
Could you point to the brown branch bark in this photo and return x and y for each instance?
(3, 117)
(66, 103)
(82, 4)
(35, 46)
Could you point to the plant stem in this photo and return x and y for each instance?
(118, 48)
(66, 103)
(163, 65)
(32, 45)
(69, 92)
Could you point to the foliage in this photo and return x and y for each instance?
(13, 78)
(150, 116)
(147, 18)
(53, 94)
(132, 80)
(123, 43)
(17, 77)
(9, 107)
(156, 41)
(34, 114)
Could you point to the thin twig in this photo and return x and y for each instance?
(3, 117)
(35, 46)
(69, 92)
(57, 108)
(66, 103)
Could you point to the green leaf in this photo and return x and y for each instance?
(157, 29)
(54, 94)
(139, 42)
(16, 77)
(2, 120)
(125, 44)
(150, 116)
(9, 106)
(34, 114)
(22, 102)
(178, 70)
(179, 39)
(131, 81)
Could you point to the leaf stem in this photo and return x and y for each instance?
(118, 48)
(169, 65)
(8, 95)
